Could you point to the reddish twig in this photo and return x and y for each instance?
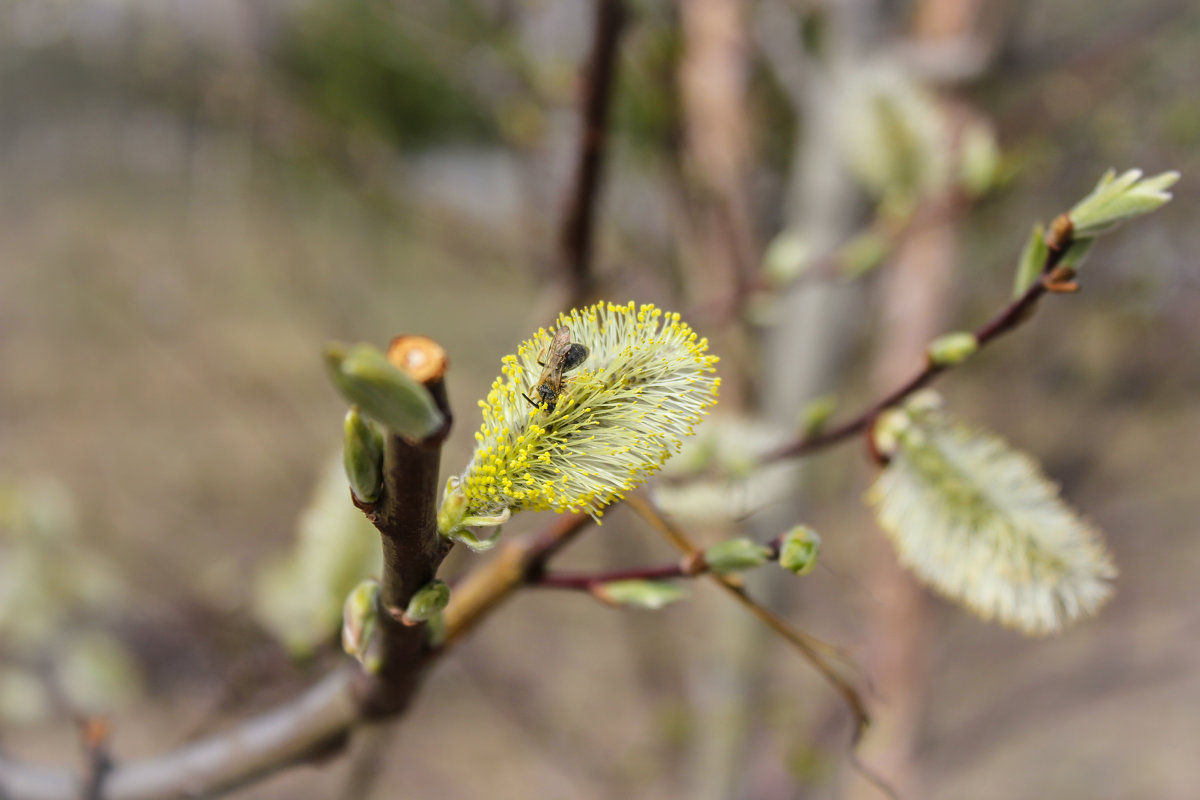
(1058, 240)
(577, 229)
(690, 566)
(586, 581)
(814, 650)
(484, 590)
(95, 733)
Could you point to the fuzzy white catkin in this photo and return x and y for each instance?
(981, 524)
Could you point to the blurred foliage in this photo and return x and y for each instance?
(368, 67)
(300, 596)
(49, 584)
(717, 477)
(647, 106)
(893, 133)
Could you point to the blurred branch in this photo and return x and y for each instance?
(315, 723)
(482, 591)
(577, 230)
(812, 649)
(95, 734)
(1007, 319)
(713, 75)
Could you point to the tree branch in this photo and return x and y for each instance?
(690, 566)
(1058, 241)
(319, 721)
(578, 223)
(313, 724)
(815, 651)
(406, 516)
(484, 590)
(586, 581)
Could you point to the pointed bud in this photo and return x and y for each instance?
(1117, 199)
(360, 621)
(454, 523)
(651, 595)
(787, 257)
(816, 413)
(863, 253)
(1032, 261)
(362, 456)
(364, 376)
(734, 555)
(428, 601)
(1076, 253)
(887, 430)
(979, 158)
(952, 349)
(798, 550)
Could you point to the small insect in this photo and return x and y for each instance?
(559, 356)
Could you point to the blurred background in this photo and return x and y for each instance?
(197, 195)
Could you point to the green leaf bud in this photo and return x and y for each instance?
(1117, 199)
(735, 555)
(863, 253)
(651, 595)
(798, 550)
(360, 623)
(952, 349)
(1076, 253)
(428, 601)
(1032, 261)
(96, 673)
(362, 456)
(816, 413)
(454, 522)
(979, 158)
(889, 427)
(788, 256)
(364, 376)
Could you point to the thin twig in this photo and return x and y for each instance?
(690, 566)
(812, 648)
(577, 229)
(586, 581)
(1007, 319)
(483, 591)
(95, 732)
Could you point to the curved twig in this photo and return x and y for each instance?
(1007, 319)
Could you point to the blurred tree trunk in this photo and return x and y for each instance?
(802, 350)
(916, 301)
(712, 78)
(915, 295)
(719, 255)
